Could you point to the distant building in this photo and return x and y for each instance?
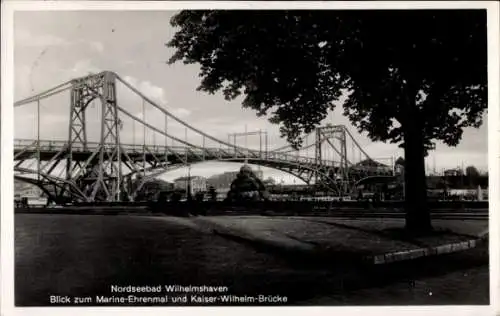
(157, 185)
(222, 181)
(197, 184)
(23, 189)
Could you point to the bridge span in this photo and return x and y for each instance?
(108, 167)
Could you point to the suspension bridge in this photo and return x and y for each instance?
(115, 139)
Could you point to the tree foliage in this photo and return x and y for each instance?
(400, 161)
(246, 186)
(411, 77)
(296, 64)
(471, 172)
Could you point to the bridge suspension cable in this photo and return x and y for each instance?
(166, 112)
(289, 147)
(52, 91)
(154, 128)
(40, 96)
(357, 144)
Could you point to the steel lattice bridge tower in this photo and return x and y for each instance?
(96, 161)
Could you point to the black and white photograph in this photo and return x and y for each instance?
(266, 156)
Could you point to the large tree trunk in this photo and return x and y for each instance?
(417, 211)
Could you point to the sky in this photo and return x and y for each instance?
(53, 47)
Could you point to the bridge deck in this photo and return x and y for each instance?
(28, 149)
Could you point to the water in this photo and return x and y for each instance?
(80, 255)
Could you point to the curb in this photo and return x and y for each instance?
(424, 252)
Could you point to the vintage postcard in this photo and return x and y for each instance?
(161, 156)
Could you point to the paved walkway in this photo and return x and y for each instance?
(377, 241)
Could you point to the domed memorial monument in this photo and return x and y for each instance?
(247, 187)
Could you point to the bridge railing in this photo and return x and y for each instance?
(60, 144)
(43, 144)
(206, 153)
(49, 145)
(299, 159)
(155, 149)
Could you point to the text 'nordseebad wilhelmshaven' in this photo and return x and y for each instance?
(169, 289)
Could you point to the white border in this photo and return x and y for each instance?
(494, 151)
(6, 184)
